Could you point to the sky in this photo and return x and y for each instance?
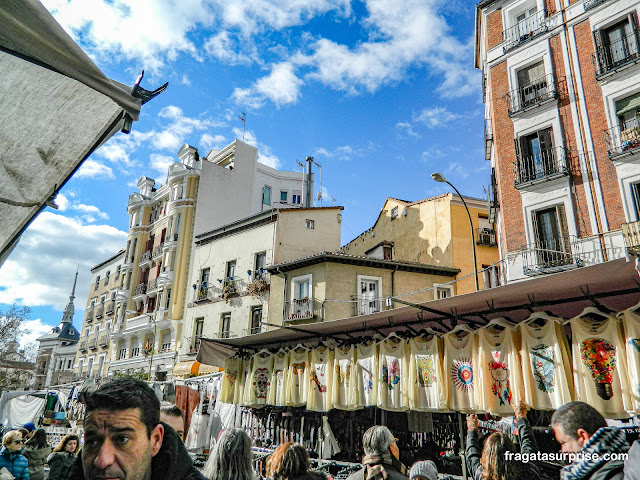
(380, 92)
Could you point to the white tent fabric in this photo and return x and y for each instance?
(19, 408)
(58, 107)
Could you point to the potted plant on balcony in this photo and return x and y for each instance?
(228, 289)
(257, 287)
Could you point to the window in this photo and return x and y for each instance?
(261, 259)
(204, 284)
(301, 305)
(394, 212)
(387, 252)
(106, 278)
(166, 342)
(231, 269)
(135, 348)
(225, 325)
(311, 224)
(443, 292)
(90, 367)
(97, 282)
(617, 44)
(197, 334)
(266, 195)
(627, 111)
(551, 236)
(100, 365)
(283, 196)
(122, 353)
(69, 364)
(296, 198)
(369, 291)
(536, 156)
(168, 298)
(532, 86)
(256, 320)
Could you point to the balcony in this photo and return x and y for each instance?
(524, 31)
(103, 340)
(365, 306)
(486, 237)
(83, 346)
(100, 311)
(140, 289)
(623, 141)
(252, 330)
(157, 251)
(544, 166)
(301, 309)
(614, 56)
(552, 256)
(589, 4)
(202, 294)
(93, 343)
(89, 317)
(529, 96)
(152, 286)
(631, 234)
(109, 307)
(488, 139)
(145, 258)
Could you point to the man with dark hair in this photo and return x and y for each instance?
(581, 429)
(124, 439)
(173, 416)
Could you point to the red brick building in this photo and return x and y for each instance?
(561, 83)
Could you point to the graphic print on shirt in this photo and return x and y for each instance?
(367, 375)
(600, 357)
(500, 387)
(635, 343)
(391, 374)
(261, 382)
(462, 373)
(426, 370)
(317, 377)
(298, 373)
(343, 373)
(544, 368)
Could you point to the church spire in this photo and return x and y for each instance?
(67, 316)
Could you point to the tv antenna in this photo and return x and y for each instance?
(243, 119)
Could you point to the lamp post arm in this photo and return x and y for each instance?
(473, 240)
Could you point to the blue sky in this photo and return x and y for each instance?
(381, 93)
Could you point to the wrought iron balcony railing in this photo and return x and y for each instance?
(145, 257)
(93, 342)
(103, 341)
(109, 307)
(486, 237)
(552, 256)
(152, 284)
(301, 308)
(202, 293)
(83, 346)
(589, 4)
(100, 311)
(140, 289)
(546, 165)
(157, 251)
(624, 140)
(524, 31)
(610, 57)
(631, 234)
(488, 139)
(535, 93)
(254, 330)
(89, 317)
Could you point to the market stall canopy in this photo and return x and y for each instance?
(182, 369)
(614, 285)
(205, 369)
(57, 106)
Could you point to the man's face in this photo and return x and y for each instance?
(177, 423)
(116, 445)
(568, 443)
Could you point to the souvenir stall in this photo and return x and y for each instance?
(419, 369)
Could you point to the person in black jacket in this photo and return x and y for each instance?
(124, 438)
(492, 462)
(62, 458)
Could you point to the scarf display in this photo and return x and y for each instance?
(605, 440)
(374, 465)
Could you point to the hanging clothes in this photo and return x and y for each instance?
(425, 387)
(277, 390)
(600, 366)
(330, 445)
(230, 384)
(320, 380)
(631, 324)
(259, 380)
(392, 374)
(366, 368)
(546, 364)
(298, 377)
(459, 370)
(244, 387)
(498, 372)
(344, 395)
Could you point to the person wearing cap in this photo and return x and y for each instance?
(425, 470)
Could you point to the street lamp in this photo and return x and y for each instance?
(438, 177)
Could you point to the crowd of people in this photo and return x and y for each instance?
(130, 436)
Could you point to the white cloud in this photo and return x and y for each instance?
(32, 329)
(344, 152)
(265, 155)
(92, 169)
(281, 86)
(436, 116)
(184, 80)
(62, 201)
(226, 49)
(91, 210)
(41, 269)
(209, 142)
(161, 163)
(407, 128)
(323, 195)
(432, 153)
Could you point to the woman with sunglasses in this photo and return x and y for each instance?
(11, 458)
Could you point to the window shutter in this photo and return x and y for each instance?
(563, 229)
(546, 139)
(633, 40)
(516, 146)
(536, 234)
(597, 40)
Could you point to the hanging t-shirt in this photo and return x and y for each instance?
(546, 365)
(600, 366)
(276, 395)
(498, 371)
(344, 396)
(459, 370)
(392, 374)
(260, 379)
(244, 384)
(230, 380)
(320, 380)
(298, 377)
(631, 323)
(425, 388)
(366, 368)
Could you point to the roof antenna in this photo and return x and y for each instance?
(243, 119)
